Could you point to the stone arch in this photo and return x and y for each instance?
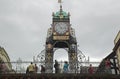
(51, 47)
(61, 44)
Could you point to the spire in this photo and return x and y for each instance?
(60, 2)
(61, 8)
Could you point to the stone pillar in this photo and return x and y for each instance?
(73, 58)
(49, 59)
(73, 62)
(49, 62)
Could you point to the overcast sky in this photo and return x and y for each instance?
(24, 24)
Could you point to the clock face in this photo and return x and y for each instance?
(61, 27)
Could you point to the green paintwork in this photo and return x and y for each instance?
(63, 13)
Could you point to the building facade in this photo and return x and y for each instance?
(117, 48)
(114, 58)
(5, 61)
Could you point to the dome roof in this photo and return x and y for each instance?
(61, 13)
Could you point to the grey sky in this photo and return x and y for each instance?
(24, 24)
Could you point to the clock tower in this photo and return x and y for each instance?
(61, 35)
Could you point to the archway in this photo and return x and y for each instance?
(60, 55)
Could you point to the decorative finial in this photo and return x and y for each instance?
(60, 2)
(61, 8)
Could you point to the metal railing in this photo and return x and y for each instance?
(20, 67)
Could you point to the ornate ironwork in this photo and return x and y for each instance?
(75, 59)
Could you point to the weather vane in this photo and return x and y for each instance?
(60, 1)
